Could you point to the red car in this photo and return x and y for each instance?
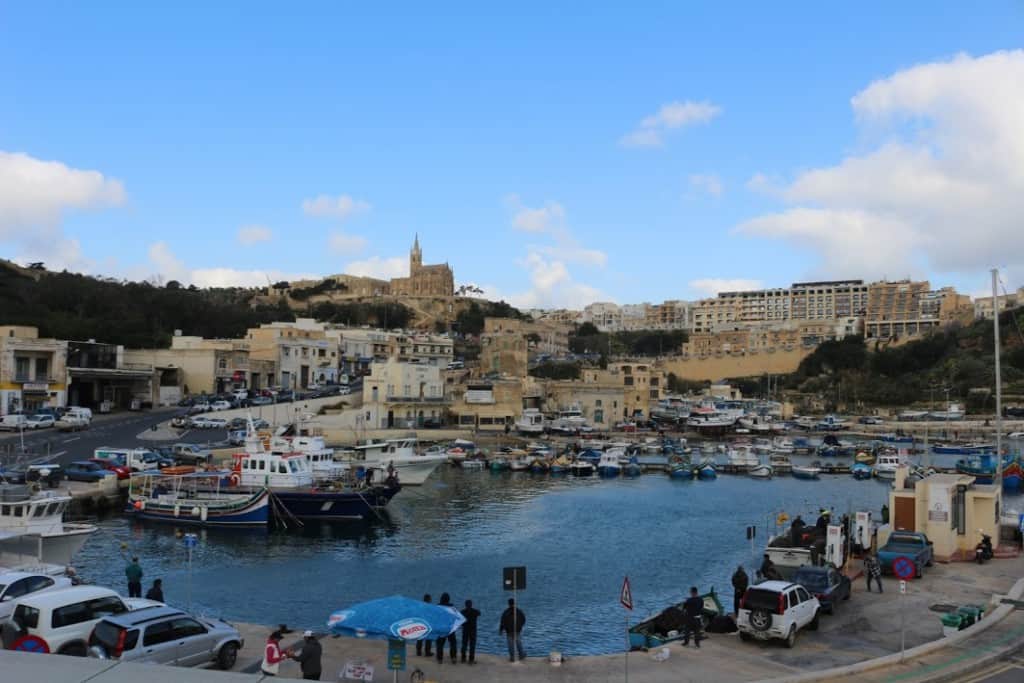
(121, 471)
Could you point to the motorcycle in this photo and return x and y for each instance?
(983, 551)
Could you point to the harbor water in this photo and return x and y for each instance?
(577, 538)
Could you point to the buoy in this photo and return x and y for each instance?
(137, 505)
(177, 509)
(203, 513)
(235, 479)
(782, 518)
(195, 511)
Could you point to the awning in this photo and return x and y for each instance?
(111, 373)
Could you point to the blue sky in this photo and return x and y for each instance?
(503, 137)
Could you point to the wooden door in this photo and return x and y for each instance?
(904, 514)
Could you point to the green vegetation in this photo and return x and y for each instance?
(389, 315)
(640, 343)
(678, 385)
(471, 320)
(135, 314)
(322, 287)
(556, 371)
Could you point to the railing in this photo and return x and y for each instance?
(414, 399)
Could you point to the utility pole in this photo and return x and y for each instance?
(999, 381)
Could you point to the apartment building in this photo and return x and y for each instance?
(33, 372)
(403, 394)
(984, 307)
(641, 384)
(752, 337)
(300, 351)
(905, 308)
(487, 405)
(205, 366)
(601, 401)
(361, 347)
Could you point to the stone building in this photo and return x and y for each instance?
(33, 373)
(432, 280)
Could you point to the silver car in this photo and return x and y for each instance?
(165, 635)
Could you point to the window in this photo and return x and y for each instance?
(70, 615)
(802, 592)
(21, 366)
(222, 363)
(27, 616)
(281, 469)
(161, 632)
(185, 627)
(42, 369)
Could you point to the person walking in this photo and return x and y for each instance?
(133, 572)
(768, 570)
(309, 657)
(693, 610)
(470, 614)
(873, 570)
(426, 645)
(740, 583)
(446, 601)
(272, 655)
(157, 591)
(512, 621)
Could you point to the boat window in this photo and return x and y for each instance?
(281, 469)
(39, 510)
(294, 466)
(51, 509)
(5, 510)
(263, 465)
(19, 510)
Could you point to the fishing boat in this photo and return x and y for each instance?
(498, 463)
(608, 465)
(457, 451)
(912, 415)
(668, 625)
(33, 530)
(806, 472)
(759, 424)
(473, 464)
(1013, 474)
(530, 423)
(413, 467)
(981, 467)
(831, 423)
(953, 411)
(707, 471)
(196, 499)
(761, 471)
(963, 449)
(896, 439)
(886, 465)
(783, 446)
(742, 458)
(560, 465)
(681, 470)
(569, 421)
(864, 457)
(582, 468)
(539, 465)
(861, 470)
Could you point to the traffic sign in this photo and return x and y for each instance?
(626, 596)
(903, 587)
(513, 578)
(30, 643)
(904, 568)
(191, 541)
(396, 655)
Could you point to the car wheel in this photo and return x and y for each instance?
(74, 650)
(745, 637)
(831, 609)
(761, 619)
(227, 656)
(815, 622)
(929, 563)
(917, 571)
(791, 638)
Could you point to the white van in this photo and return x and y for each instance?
(13, 423)
(84, 413)
(63, 619)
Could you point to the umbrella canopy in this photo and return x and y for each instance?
(395, 618)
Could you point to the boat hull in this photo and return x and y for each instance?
(62, 547)
(761, 472)
(254, 512)
(707, 472)
(805, 473)
(609, 470)
(331, 505)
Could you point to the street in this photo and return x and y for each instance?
(118, 430)
(1007, 670)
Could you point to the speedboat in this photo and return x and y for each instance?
(861, 470)
(760, 471)
(413, 468)
(530, 423)
(32, 528)
(581, 468)
(806, 471)
(886, 465)
(608, 465)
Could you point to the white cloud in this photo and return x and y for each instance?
(552, 286)
(650, 132)
(706, 184)
(341, 207)
(943, 190)
(711, 286)
(381, 268)
(253, 234)
(165, 266)
(343, 243)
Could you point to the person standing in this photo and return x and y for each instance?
(693, 610)
(425, 644)
(470, 614)
(157, 591)
(133, 572)
(873, 571)
(272, 655)
(309, 657)
(768, 570)
(446, 601)
(512, 621)
(740, 583)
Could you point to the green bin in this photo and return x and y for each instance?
(970, 615)
(951, 623)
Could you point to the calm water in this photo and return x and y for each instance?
(577, 538)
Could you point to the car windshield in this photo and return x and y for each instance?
(761, 599)
(816, 581)
(2, 587)
(903, 538)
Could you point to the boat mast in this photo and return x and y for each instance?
(999, 382)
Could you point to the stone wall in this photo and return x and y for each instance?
(746, 365)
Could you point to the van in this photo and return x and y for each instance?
(84, 413)
(63, 619)
(13, 423)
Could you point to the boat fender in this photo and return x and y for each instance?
(195, 511)
(203, 513)
(177, 509)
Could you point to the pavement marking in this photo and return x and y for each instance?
(57, 454)
(75, 438)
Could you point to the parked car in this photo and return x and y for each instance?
(238, 423)
(910, 544)
(40, 421)
(13, 423)
(165, 635)
(63, 619)
(190, 454)
(199, 407)
(181, 422)
(209, 423)
(217, 406)
(186, 402)
(776, 610)
(870, 420)
(236, 437)
(16, 585)
(825, 583)
(260, 401)
(285, 395)
(122, 471)
(49, 473)
(71, 422)
(87, 470)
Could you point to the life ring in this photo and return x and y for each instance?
(782, 518)
(235, 479)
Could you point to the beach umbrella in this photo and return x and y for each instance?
(395, 618)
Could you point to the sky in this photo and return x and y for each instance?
(554, 154)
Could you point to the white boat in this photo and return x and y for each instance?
(831, 423)
(886, 465)
(783, 446)
(456, 452)
(318, 454)
(710, 421)
(758, 424)
(912, 415)
(581, 468)
(760, 471)
(33, 531)
(569, 421)
(608, 465)
(953, 411)
(806, 471)
(742, 457)
(519, 461)
(530, 423)
(472, 464)
(413, 468)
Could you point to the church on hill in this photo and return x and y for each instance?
(430, 280)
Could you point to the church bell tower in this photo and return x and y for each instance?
(415, 256)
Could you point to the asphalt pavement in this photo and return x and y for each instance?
(119, 430)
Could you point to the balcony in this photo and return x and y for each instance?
(396, 398)
(22, 379)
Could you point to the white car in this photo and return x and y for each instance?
(209, 423)
(15, 585)
(41, 421)
(63, 619)
(1015, 435)
(13, 422)
(777, 610)
(220, 405)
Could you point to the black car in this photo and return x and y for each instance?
(824, 583)
(432, 423)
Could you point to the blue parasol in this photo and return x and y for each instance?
(395, 618)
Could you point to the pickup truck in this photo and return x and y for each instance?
(190, 454)
(911, 544)
(137, 459)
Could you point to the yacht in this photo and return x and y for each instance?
(320, 456)
(759, 424)
(33, 531)
(530, 423)
(569, 421)
(413, 468)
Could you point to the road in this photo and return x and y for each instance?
(1008, 670)
(118, 430)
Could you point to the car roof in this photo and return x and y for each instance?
(85, 462)
(777, 586)
(11, 577)
(144, 615)
(63, 596)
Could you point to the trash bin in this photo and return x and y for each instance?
(951, 623)
(969, 615)
(980, 609)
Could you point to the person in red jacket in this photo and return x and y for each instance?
(272, 655)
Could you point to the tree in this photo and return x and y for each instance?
(587, 329)
(173, 284)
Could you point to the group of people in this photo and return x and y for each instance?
(133, 572)
(309, 655)
(469, 629)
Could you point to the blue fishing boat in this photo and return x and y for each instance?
(1013, 474)
(680, 468)
(861, 470)
(963, 449)
(608, 465)
(590, 455)
(196, 499)
(981, 467)
(498, 464)
(707, 471)
(896, 439)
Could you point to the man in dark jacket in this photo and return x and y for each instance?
(427, 645)
(797, 531)
(309, 657)
(471, 614)
(693, 608)
(445, 601)
(740, 582)
(768, 570)
(157, 591)
(512, 620)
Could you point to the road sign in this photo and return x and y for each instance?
(903, 587)
(396, 655)
(904, 568)
(626, 596)
(191, 541)
(31, 643)
(513, 578)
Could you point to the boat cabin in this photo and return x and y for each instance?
(273, 469)
(24, 513)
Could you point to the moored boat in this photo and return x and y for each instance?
(581, 468)
(608, 465)
(981, 467)
(669, 624)
(806, 472)
(707, 471)
(861, 470)
(761, 471)
(196, 499)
